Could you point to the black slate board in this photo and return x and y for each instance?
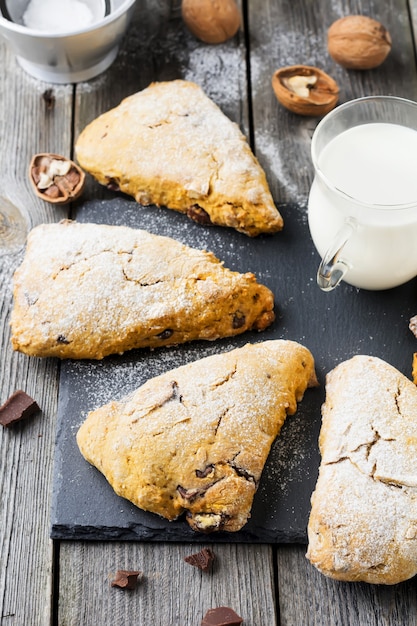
(334, 326)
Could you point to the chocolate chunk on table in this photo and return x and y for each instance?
(203, 559)
(127, 579)
(221, 616)
(19, 406)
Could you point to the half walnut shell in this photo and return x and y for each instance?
(55, 178)
(305, 90)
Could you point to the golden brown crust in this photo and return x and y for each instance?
(85, 291)
(363, 522)
(170, 145)
(196, 438)
(414, 368)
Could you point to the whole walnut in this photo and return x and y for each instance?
(212, 21)
(358, 42)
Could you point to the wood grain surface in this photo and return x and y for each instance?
(68, 583)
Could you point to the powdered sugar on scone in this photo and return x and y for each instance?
(364, 508)
(88, 290)
(196, 438)
(172, 146)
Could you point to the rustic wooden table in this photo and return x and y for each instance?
(68, 583)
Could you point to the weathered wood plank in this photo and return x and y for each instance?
(173, 592)
(306, 597)
(29, 124)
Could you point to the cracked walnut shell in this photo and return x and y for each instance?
(305, 90)
(55, 178)
(358, 42)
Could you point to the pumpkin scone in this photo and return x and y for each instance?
(84, 291)
(363, 521)
(195, 439)
(171, 145)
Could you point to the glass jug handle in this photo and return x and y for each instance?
(332, 267)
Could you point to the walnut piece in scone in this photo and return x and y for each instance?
(196, 438)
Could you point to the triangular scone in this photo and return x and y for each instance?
(170, 145)
(363, 522)
(196, 438)
(85, 291)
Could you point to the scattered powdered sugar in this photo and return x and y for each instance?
(282, 138)
(285, 47)
(236, 251)
(273, 155)
(220, 71)
(291, 458)
(8, 265)
(13, 232)
(96, 383)
(284, 156)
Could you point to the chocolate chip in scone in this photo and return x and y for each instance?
(221, 616)
(19, 406)
(127, 579)
(239, 320)
(112, 184)
(205, 472)
(166, 334)
(62, 339)
(240, 471)
(203, 559)
(198, 214)
(190, 494)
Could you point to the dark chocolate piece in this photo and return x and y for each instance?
(17, 407)
(222, 616)
(126, 579)
(198, 214)
(166, 334)
(239, 320)
(203, 559)
(112, 184)
(205, 472)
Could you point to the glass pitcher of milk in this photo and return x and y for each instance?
(362, 209)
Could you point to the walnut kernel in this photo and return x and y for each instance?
(55, 178)
(305, 90)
